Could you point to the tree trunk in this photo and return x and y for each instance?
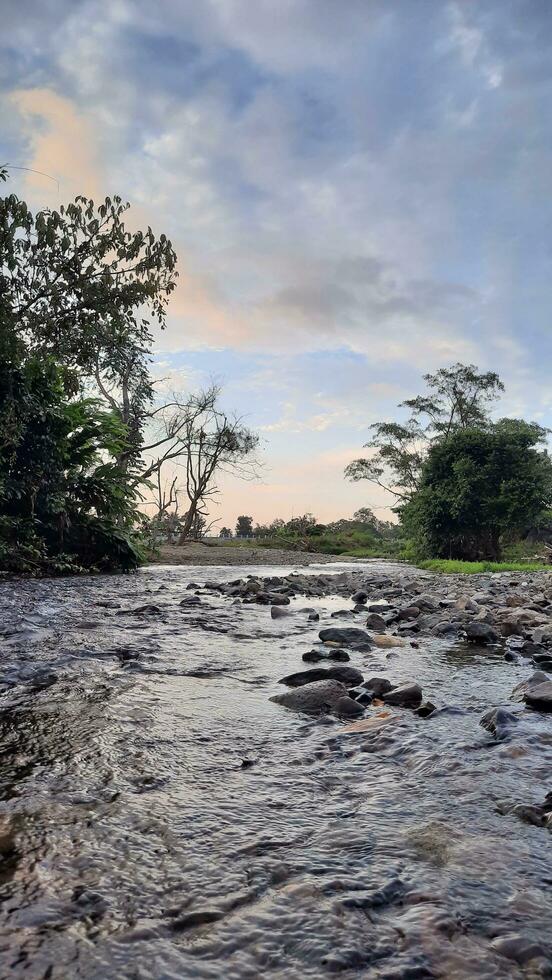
(188, 522)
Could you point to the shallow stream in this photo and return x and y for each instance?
(172, 822)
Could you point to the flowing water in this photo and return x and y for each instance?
(171, 821)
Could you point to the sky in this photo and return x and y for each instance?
(359, 192)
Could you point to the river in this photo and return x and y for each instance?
(170, 821)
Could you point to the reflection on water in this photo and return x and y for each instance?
(170, 821)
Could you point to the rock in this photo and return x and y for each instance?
(313, 617)
(346, 707)
(305, 677)
(539, 696)
(409, 612)
(348, 636)
(361, 695)
(538, 677)
(375, 622)
(426, 603)
(464, 603)
(444, 628)
(426, 709)
(385, 642)
(319, 697)
(520, 949)
(378, 686)
(529, 814)
(272, 599)
(408, 626)
(279, 612)
(498, 721)
(359, 597)
(150, 609)
(347, 675)
(190, 600)
(406, 696)
(7, 836)
(315, 656)
(338, 654)
(480, 633)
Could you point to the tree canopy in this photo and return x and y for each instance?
(477, 485)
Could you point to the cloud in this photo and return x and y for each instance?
(358, 193)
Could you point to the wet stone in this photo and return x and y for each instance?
(405, 696)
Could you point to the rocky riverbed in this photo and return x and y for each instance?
(343, 769)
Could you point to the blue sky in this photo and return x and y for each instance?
(359, 191)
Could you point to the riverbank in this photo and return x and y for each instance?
(204, 555)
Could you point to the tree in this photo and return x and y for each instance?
(458, 397)
(78, 286)
(225, 533)
(244, 527)
(476, 485)
(64, 501)
(198, 437)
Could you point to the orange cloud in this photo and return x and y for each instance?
(62, 143)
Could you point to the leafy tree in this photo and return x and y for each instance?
(476, 485)
(458, 397)
(78, 286)
(225, 533)
(244, 527)
(64, 502)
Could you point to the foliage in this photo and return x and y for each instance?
(63, 504)
(452, 567)
(476, 485)
(456, 398)
(75, 289)
(244, 526)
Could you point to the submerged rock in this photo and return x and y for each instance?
(498, 721)
(426, 709)
(279, 612)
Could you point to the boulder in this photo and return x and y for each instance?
(359, 597)
(319, 697)
(406, 696)
(348, 636)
